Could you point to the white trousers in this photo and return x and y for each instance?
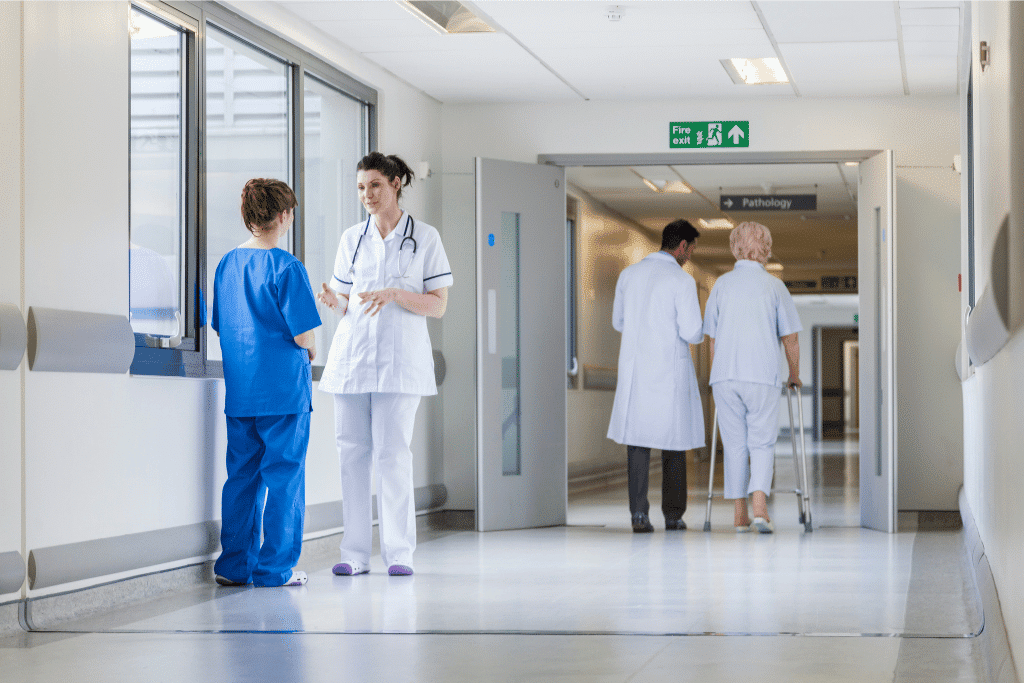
(748, 418)
(374, 432)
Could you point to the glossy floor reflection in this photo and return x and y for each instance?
(587, 602)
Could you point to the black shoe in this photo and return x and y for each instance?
(642, 524)
(675, 525)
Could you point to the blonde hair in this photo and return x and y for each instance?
(751, 241)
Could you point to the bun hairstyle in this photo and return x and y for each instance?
(263, 199)
(390, 166)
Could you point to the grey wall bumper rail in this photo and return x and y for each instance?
(988, 327)
(13, 337)
(104, 556)
(73, 341)
(12, 572)
(62, 564)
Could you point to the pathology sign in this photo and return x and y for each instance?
(768, 202)
(705, 134)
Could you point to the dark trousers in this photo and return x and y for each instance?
(673, 481)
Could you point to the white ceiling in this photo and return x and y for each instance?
(569, 51)
(560, 51)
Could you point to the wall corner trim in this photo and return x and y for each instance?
(73, 341)
(13, 337)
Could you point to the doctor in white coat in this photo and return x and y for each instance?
(657, 403)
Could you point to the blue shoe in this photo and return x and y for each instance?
(399, 570)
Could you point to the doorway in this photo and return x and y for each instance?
(596, 380)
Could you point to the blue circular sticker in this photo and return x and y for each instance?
(490, 240)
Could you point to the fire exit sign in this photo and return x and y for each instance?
(703, 134)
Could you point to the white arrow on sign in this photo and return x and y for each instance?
(728, 203)
(736, 133)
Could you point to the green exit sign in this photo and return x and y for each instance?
(688, 134)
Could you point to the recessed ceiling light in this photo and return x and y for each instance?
(774, 267)
(853, 163)
(766, 71)
(449, 17)
(668, 186)
(715, 223)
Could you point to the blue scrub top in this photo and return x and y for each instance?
(262, 300)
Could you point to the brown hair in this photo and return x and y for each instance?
(390, 166)
(262, 200)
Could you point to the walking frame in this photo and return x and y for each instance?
(799, 463)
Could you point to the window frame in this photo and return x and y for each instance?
(190, 359)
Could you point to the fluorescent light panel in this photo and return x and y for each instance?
(761, 71)
(449, 17)
(715, 223)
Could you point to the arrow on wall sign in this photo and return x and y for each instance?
(736, 133)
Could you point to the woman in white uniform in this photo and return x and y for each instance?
(390, 274)
(747, 313)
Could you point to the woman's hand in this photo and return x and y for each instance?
(374, 301)
(328, 297)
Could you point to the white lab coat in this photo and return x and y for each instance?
(657, 402)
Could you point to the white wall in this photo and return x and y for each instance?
(993, 428)
(107, 455)
(923, 131)
(10, 275)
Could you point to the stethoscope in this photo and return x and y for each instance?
(407, 236)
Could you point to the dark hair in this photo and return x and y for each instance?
(676, 232)
(262, 200)
(390, 167)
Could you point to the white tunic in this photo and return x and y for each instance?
(389, 352)
(747, 312)
(657, 402)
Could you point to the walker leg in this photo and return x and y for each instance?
(711, 471)
(806, 499)
(800, 484)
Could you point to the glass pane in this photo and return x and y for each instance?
(335, 141)
(156, 218)
(247, 136)
(508, 338)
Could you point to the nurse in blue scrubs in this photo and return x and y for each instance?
(265, 314)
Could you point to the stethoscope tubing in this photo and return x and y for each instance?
(407, 235)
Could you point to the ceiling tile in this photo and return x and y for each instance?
(912, 15)
(828, 22)
(948, 34)
(838, 69)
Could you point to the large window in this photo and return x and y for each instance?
(248, 135)
(336, 135)
(157, 216)
(214, 102)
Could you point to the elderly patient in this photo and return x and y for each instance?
(747, 313)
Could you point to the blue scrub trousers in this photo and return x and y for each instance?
(266, 461)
